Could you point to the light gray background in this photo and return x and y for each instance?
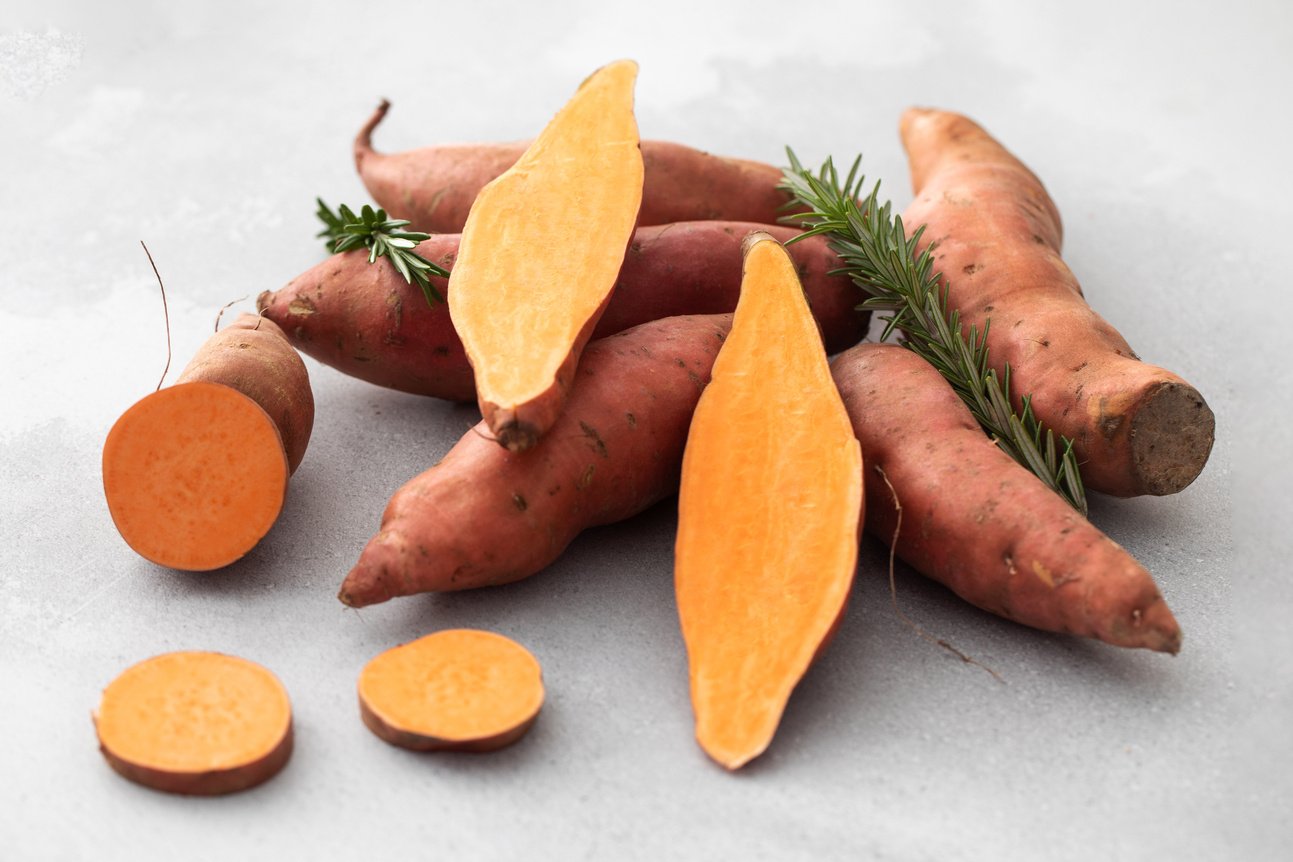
(208, 129)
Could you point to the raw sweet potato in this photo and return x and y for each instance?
(539, 255)
(198, 723)
(768, 513)
(196, 474)
(980, 523)
(1136, 428)
(454, 690)
(370, 323)
(434, 187)
(486, 516)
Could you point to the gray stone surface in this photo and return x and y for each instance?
(207, 129)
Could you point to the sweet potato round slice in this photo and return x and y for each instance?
(197, 723)
(195, 475)
(454, 690)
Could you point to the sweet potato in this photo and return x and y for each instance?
(980, 523)
(196, 474)
(434, 187)
(197, 723)
(768, 513)
(486, 516)
(367, 321)
(1136, 428)
(454, 690)
(539, 255)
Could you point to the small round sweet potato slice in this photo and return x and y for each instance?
(454, 690)
(197, 723)
(195, 475)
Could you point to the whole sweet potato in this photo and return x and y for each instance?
(366, 321)
(486, 516)
(979, 522)
(1136, 428)
(434, 187)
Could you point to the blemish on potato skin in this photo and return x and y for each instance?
(586, 479)
(519, 502)
(632, 420)
(597, 444)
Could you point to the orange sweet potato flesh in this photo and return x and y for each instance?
(454, 690)
(768, 514)
(368, 322)
(978, 522)
(434, 187)
(540, 253)
(486, 516)
(196, 474)
(1136, 428)
(196, 723)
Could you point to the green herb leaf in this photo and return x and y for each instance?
(383, 237)
(882, 260)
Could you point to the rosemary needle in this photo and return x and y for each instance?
(880, 258)
(383, 237)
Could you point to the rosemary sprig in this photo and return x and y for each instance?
(383, 237)
(882, 260)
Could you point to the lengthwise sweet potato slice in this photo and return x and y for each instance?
(198, 723)
(540, 253)
(768, 513)
(454, 690)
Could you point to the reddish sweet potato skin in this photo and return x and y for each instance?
(486, 516)
(1136, 428)
(366, 321)
(978, 522)
(434, 187)
(253, 356)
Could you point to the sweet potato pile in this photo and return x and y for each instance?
(588, 311)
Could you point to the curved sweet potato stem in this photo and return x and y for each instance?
(768, 514)
(458, 690)
(198, 723)
(540, 253)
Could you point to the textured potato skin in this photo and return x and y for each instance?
(980, 523)
(366, 321)
(434, 187)
(486, 516)
(1136, 428)
(253, 356)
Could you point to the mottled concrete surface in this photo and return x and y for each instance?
(207, 129)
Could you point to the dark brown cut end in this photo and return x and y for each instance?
(516, 435)
(1171, 437)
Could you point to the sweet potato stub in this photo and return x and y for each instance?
(540, 253)
(195, 723)
(195, 475)
(768, 514)
(454, 689)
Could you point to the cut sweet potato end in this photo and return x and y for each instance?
(768, 515)
(458, 689)
(198, 723)
(545, 241)
(195, 475)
